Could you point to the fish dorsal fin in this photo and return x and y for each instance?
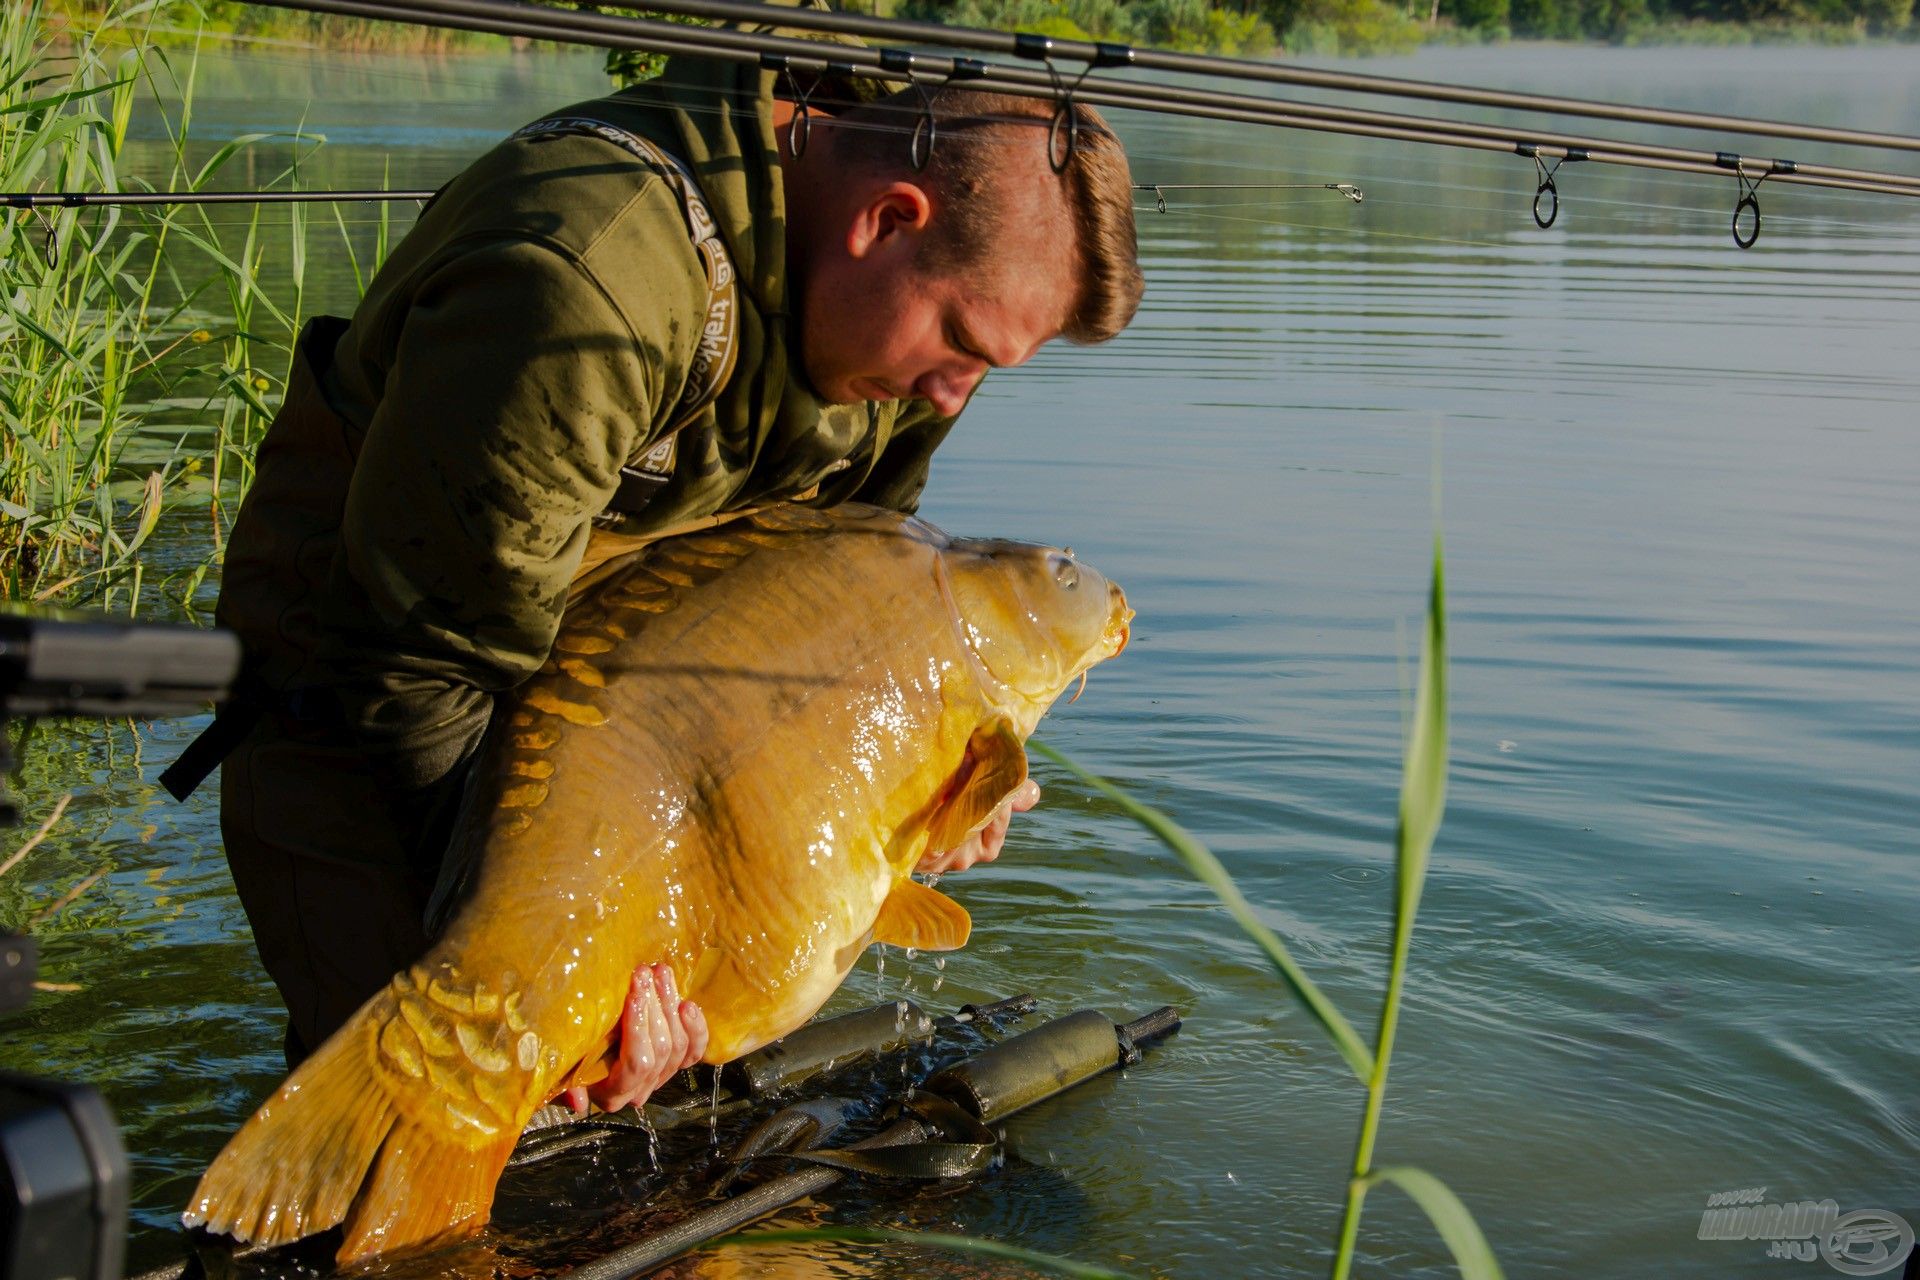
(926, 919)
(996, 763)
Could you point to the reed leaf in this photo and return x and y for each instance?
(149, 512)
(925, 1239)
(1423, 776)
(1449, 1216)
(1207, 869)
(63, 98)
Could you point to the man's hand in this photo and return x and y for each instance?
(984, 844)
(659, 1034)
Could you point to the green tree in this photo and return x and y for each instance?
(1478, 15)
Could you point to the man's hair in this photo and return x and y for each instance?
(966, 175)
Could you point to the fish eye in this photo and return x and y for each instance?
(1066, 572)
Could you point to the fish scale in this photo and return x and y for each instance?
(742, 743)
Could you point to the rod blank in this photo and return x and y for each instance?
(510, 17)
(93, 199)
(1105, 55)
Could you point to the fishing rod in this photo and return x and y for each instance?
(795, 57)
(792, 57)
(1104, 54)
(37, 200)
(1160, 189)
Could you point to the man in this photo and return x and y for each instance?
(643, 314)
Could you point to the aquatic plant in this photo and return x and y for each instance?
(69, 333)
(1423, 790)
(141, 359)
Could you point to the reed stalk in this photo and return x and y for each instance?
(1423, 791)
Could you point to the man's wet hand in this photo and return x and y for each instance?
(659, 1035)
(983, 845)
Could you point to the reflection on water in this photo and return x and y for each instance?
(1666, 949)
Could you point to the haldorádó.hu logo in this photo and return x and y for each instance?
(1865, 1242)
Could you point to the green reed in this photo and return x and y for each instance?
(1423, 792)
(142, 355)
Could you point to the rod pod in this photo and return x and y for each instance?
(1011, 1076)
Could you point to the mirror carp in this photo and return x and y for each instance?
(742, 743)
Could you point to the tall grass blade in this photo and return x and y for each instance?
(1207, 869)
(927, 1239)
(1449, 1216)
(1423, 778)
(1423, 798)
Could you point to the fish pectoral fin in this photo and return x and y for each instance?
(996, 764)
(925, 919)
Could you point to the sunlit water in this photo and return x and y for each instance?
(1667, 944)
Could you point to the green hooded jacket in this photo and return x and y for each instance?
(424, 498)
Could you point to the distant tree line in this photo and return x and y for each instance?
(1256, 27)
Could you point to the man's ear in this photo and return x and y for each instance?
(897, 209)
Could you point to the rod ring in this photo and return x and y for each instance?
(1547, 219)
(799, 129)
(920, 146)
(926, 129)
(1747, 201)
(50, 246)
(1059, 157)
(800, 126)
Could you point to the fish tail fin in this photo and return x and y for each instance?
(296, 1166)
(425, 1188)
(342, 1141)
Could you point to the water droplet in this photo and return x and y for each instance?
(653, 1138)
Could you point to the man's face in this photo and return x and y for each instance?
(876, 325)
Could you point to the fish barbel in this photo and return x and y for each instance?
(743, 741)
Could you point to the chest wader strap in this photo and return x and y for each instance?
(719, 347)
(250, 701)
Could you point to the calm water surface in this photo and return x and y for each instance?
(1667, 947)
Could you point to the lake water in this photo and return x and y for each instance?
(1668, 944)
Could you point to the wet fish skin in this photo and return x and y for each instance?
(743, 742)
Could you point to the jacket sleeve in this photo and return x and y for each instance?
(900, 473)
(516, 394)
